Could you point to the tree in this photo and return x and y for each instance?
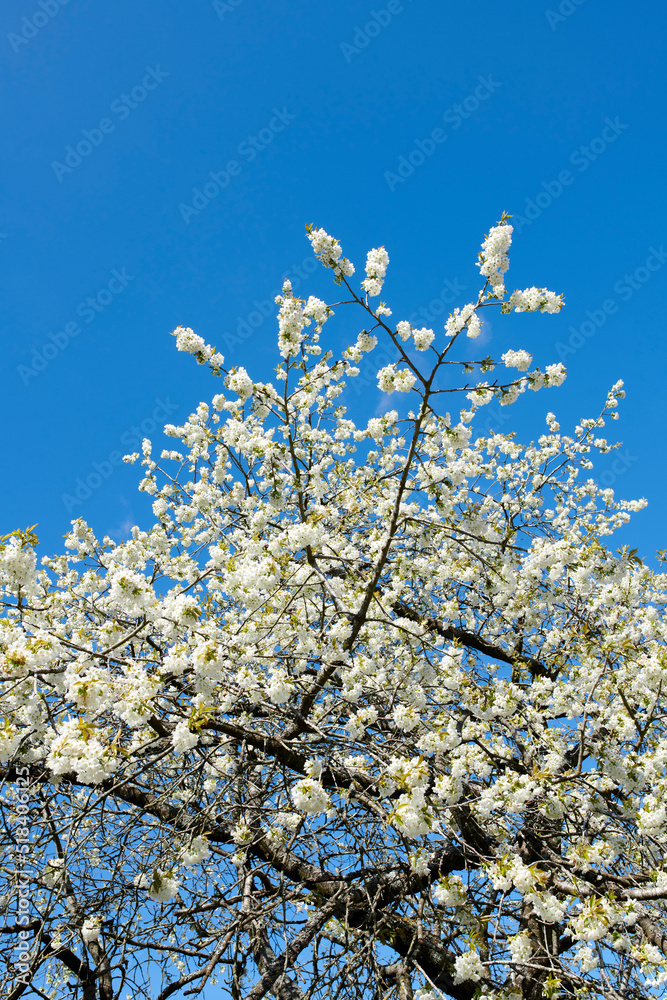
(369, 712)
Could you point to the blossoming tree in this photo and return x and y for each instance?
(370, 711)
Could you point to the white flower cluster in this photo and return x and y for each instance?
(450, 891)
(329, 252)
(191, 343)
(54, 872)
(291, 322)
(493, 259)
(318, 310)
(595, 918)
(532, 299)
(423, 338)
(554, 375)
(411, 814)
(129, 590)
(517, 359)
(358, 722)
(548, 907)
(464, 317)
(10, 740)
(587, 959)
(366, 342)
(512, 872)
(280, 687)
(240, 382)
(161, 887)
(468, 968)
(310, 797)
(376, 268)
(90, 930)
(406, 718)
(521, 948)
(17, 566)
(198, 850)
(182, 738)
(390, 380)
(77, 750)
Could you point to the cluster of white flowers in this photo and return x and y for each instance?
(197, 850)
(129, 590)
(17, 566)
(191, 343)
(588, 959)
(390, 380)
(329, 252)
(182, 738)
(595, 918)
(318, 310)
(406, 718)
(493, 259)
(366, 342)
(187, 340)
(468, 967)
(10, 740)
(423, 338)
(512, 872)
(553, 376)
(411, 815)
(161, 886)
(240, 382)
(90, 930)
(54, 872)
(359, 722)
(291, 322)
(517, 359)
(76, 750)
(376, 268)
(450, 891)
(532, 299)
(461, 318)
(310, 797)
(280, 687)
(521, 948)
(548, 907)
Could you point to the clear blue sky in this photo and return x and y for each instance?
(304, 111)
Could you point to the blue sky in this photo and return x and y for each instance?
(305, 113)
